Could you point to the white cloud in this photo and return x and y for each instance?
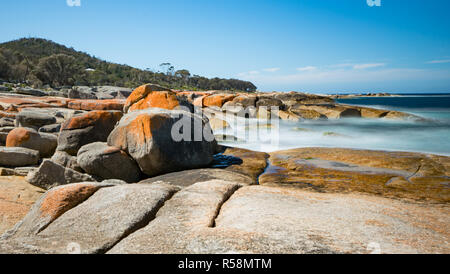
(307, 68)
(271, 69)
(365, 66)
(439, 61)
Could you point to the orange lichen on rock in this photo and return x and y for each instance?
(217, 100)
(158, 99)
(140, 93)
(112, 104)
(91, 118)
(17, 137)
(62, 199)
(141, 129)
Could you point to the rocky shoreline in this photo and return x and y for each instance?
(117, 179)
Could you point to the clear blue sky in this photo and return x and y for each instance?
(304, 45)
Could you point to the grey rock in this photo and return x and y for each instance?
(33, 119)
(18, 156)
(66, 160)
(147, 137)
(95, 225)
(54, 128)
(50, 174)
(30, 91)
(114, 92)
(107, 162)
(7, 122)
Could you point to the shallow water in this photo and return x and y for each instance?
(380, 134)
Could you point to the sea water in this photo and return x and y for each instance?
(429, 136)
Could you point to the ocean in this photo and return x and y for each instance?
(431, 136)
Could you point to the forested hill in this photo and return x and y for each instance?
(44, 62)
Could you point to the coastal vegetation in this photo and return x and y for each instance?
(42, 62)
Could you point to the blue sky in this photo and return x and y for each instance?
(303, 45)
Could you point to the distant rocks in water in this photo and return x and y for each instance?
(147, 136)
(83, 129)
(107, 162)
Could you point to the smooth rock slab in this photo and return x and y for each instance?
(18, 156)
(96, 224)
(50, 174)
(192, 208)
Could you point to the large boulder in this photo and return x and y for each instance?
(163, 141)
(45, 143)
(34, 119)
(50, 174)
(107, 162)
(87, 128)
(18, 156)
(154, 96)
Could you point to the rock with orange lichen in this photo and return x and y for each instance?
(107, 162)
(217, 100)
(45, 143)
(87, 128)
(50, 174)
(163, 141)
(18, 156)
(407, 175)
(154, 96)
(112, 104)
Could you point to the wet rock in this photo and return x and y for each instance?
(54, 128)
(83, 129)
(45, 143)
(345, 170)
(18, 156)
(107, 162)
(163, 141)
(50, 174)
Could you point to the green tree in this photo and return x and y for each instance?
(58, 70)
